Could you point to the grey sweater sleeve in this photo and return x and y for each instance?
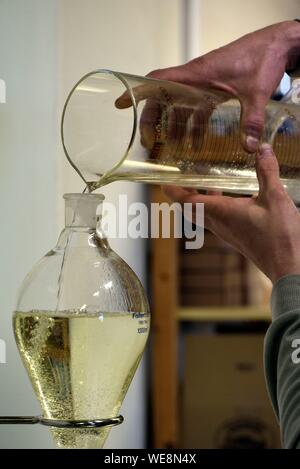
(282, 358)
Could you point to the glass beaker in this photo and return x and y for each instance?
(78, 326)
(169, 133)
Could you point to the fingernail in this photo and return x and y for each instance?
(118, 103)
(123, 101)
(252, 143)
(266, 149)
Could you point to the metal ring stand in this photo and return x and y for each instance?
(96, 423)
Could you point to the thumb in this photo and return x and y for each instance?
(267, 170)
(252, 123)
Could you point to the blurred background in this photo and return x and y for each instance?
(208, 305)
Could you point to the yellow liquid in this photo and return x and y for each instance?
(210, 155)
(81, 365)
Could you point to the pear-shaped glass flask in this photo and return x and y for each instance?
(81, 325)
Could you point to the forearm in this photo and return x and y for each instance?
(282, 364)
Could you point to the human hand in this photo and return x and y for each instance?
(265, 228)
(174, 114)
(249, 69)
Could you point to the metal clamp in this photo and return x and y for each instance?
(31, 420)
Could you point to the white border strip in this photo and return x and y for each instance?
(2, 92)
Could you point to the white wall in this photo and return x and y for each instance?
(223, 21)
(28, 184)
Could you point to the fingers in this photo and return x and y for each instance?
(178, 194)
(178, 74)
(124, 101)
(252, 122)
(267, 170)
(213, 192)
(150, 118)
(140, 92)
(148, 90)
